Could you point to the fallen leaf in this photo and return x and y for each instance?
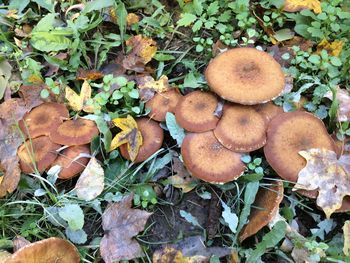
(334, 48)
(82, 101)
(132, 19)
(53, 68)
(343, 97)
(346, 231)
(5, 75)
(121, 223)
(171, 255)
(91, 181)
(148, 86)
(130, 134)
(297, 5)
(327, 174)
(93, 74)
(142, 51)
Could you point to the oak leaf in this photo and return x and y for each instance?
(121, 223)
(297, 5)
(82, 101)
(130, 134)
(327, 174)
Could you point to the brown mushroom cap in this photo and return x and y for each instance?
(246, 76)
(46, 251)
(41, 149)
(162, 103)
(195, 112)
(75, 132)
(70, 165)
(269, 110)
(43, 119)
(264, 209)
(152, 137)
(291, 132)
(241, 128)
(207, 159)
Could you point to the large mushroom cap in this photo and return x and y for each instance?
(40, 149)
(162, 103)
(246, 76)
(264, 209)
(269, 110)
(51, 250)
(152, 139)
(241, 128)
(195, 112)
(75, 132)
(43, 119)
(207, 159)
(70, 165)
(291, 132)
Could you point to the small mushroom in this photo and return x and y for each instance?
(152, 139)
(291, 132)
(71, 166)
(269, 110)
(75, 132)
(195, 112)
(241, 128)
(43, 119)
(162, 103)
(46, 251)
(41, 150)
(264, 209)
(246, 76)
(207, 159)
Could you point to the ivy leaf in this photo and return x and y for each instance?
(129, 134)
(186, 19)
(74, 216)
(327, 174)
(82, 101)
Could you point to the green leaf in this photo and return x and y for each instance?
(18, 4)
(163, 57)
(77, 237)
(45, 24)
(315, 59)
(186, 19)
(198, 6)
(270, 240)
(335, 61)
(225, 16)
(74, 216)
(97, 5)
(176, 132)
(47, 4)
(190, 218)
(5, 74)
(48, 41)
(197, 25)
(283, 34)
(230, 218)
(121, 18)
(213, 8)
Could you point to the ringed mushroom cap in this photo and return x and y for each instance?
(75, 132)
(264, 209)
(162, 103)
(152, 140)
(207, 159)
(41, 150)
(245, 76)
(195, 112)
(291, 132)
(71, 166)
(241, 128)
(45, 251)
(269, 110)
(43, 119)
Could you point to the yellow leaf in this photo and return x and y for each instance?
(297, 5)
(346, 231)
(143, 47)
(159, 86)
(132, 19)
(327, 174)
(171, 255)
(80, 102)
(334, 48)
(130, 134)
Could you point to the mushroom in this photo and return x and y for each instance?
(195, 112)
(162, 103)
(246, 76)
(75, 132)
(41, 150)
(269, 110)
(241, 128)
(152, 137)
(71, 166)
(46, 251)
(291, 132)
(43, 119)
(264, 209)
(207, 159)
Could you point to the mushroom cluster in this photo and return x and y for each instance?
(47, 128)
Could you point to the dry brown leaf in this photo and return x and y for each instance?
(142, 51)
(132, 19)
(334, 48)
(343, 97)
(327, 174)
(148, 86)
(121, 224)
(297, 5)
(93, 74)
